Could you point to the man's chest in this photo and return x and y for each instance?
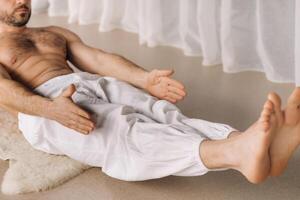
(17, 47)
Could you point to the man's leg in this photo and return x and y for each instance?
(246, 152)
(169, 113)
(131, 146)
(157, 150)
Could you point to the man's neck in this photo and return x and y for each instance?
(4, 28)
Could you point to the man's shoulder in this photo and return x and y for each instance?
(62, 31)
(54, 27)
(57, 29)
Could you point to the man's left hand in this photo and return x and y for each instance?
(159, 84)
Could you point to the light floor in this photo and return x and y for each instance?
(235, 99)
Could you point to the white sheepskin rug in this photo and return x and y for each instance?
(30, 170)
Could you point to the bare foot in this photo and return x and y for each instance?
(253, 146)
(246, 152)
(287, 137)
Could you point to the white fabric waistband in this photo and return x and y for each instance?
(56, 84)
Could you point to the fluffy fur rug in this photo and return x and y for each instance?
(30, 170)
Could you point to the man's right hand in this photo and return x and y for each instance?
(67, 113)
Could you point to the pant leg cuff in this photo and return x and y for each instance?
(202, 165)
(198, 157)
(229, 131)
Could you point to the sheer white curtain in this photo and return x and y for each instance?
(260, 35)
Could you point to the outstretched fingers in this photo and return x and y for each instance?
(176, 90)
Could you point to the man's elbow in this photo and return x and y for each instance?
(5, 78)
(10, 110)
(4, 83)
(5, 91)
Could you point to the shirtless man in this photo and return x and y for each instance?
(30, 57)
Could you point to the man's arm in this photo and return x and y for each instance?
(93, 60)
(15, 98)
(97, 61)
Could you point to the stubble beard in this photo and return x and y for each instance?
(15, 19)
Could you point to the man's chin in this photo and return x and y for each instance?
(19, 25)
(21, 22)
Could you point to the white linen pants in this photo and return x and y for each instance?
(137, 136)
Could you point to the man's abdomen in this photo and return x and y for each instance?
(37, 69)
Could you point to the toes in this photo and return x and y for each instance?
(268, 105)
(267, 117)
(292, 113)
(265, 126)
(294, 98)
(267, 111)
(275, 99)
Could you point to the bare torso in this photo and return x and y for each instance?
(34, 56)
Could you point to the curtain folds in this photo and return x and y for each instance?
(258, 35)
